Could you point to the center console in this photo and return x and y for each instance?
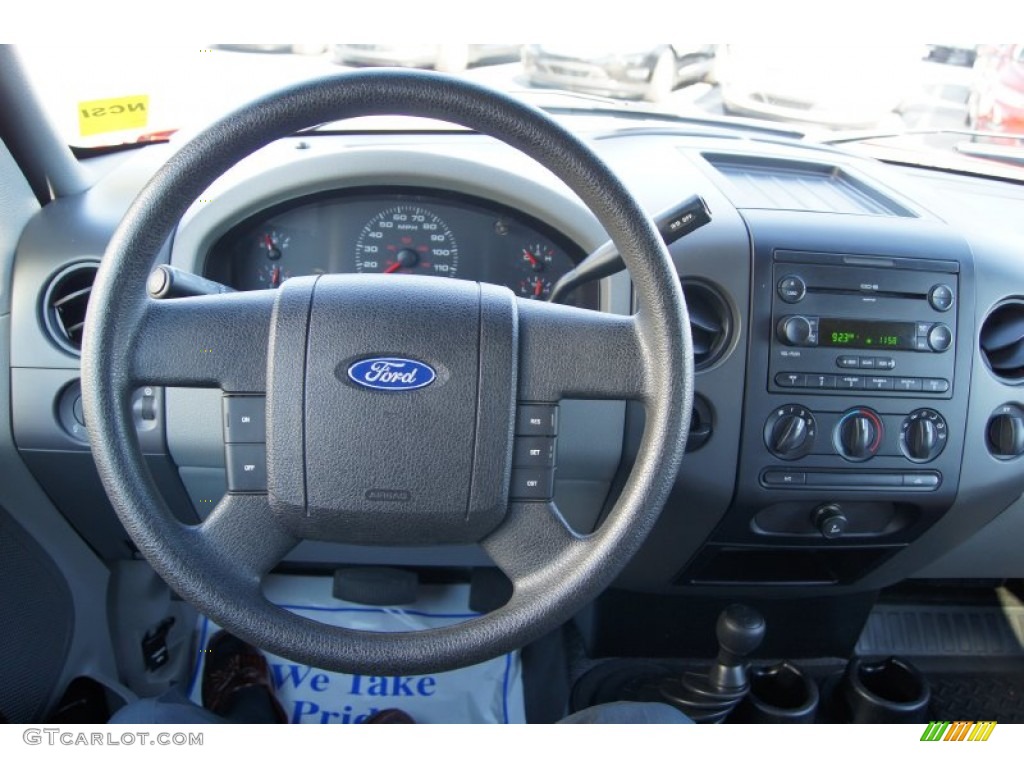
(855, 403)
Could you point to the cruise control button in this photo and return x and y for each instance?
(532, 484)
(537, 420)
(247, 467)
(848, 361)
(935, 385)
(791, 379)
(245, 419)
(534, 452)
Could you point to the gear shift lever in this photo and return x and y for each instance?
(709, 698)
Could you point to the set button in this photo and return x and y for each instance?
(533, 452)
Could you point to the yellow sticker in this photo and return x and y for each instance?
(108, 115)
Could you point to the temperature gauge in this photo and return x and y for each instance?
(272, 243)
(536, 257)
(535, 287)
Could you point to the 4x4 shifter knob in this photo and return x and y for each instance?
(709, 698)
(740, 631)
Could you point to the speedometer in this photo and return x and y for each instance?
(407, 239)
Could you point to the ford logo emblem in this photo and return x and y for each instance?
(391, 373)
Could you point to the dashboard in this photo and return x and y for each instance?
(854, 422)
(393, 231)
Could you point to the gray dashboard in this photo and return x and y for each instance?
(710, 526)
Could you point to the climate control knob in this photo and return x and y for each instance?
(789, 432)
(923, 435)
(858, 435)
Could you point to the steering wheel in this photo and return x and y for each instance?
(355, 463)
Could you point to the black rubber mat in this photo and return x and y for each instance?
(997, 697)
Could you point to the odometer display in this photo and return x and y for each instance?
(865, 334)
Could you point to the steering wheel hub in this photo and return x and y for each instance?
(369, 465)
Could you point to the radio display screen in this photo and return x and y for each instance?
(866, 334)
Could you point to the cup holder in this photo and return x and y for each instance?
(884, 691)
(781, 693)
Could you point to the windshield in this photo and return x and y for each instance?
(939, 104)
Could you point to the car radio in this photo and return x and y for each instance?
(886, 329)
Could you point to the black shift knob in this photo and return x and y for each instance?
(740, 630)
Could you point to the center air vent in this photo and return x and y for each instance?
(65, 302)
(1002, 341)
(710, 323)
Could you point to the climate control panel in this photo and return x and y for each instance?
(856, 435)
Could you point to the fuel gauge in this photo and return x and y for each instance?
(535, 287)
(271, 275)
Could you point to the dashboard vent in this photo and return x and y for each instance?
(710, 323)
(65, 302)
(1002, 341)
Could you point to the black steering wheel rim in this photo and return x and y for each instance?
(121, 318)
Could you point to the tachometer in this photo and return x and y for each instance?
(407, 239)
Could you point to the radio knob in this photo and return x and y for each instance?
(940, 337)
(923, 435)
(858, 434)
(789, 433)
(795, 330)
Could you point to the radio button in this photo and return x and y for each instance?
(791, 379)
(849, 382)
(885, 363)
(907, 384)
(821, 381)
(923, 328)
(940, 337)
(792, 289)
(921, 344)
(936, 385)
(867, 362)
(848, 361)
(940, 297)
(878, 382)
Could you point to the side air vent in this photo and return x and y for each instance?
(1002, 341)
(65, 302)
(710, 323)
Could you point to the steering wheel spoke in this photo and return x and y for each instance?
(242, 531)
(571, 352)
(205, 341)
(532, 537)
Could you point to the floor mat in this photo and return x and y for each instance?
(491, 692)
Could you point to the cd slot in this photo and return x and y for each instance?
(884, 294)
